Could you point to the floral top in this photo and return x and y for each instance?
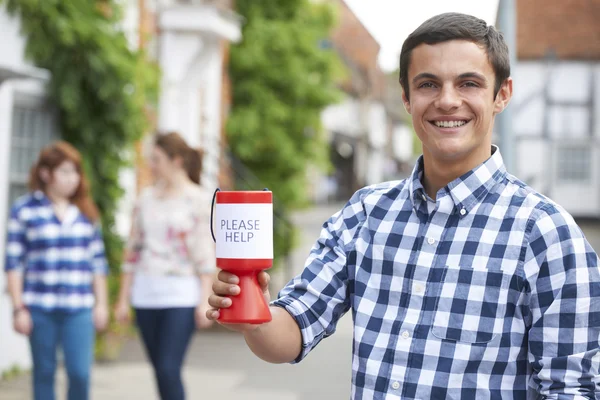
(171, 236)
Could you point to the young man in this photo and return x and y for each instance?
(463, 281)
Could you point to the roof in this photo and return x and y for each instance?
(7, 72)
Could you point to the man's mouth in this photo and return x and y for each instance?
(450, 124)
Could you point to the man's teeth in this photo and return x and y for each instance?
(449, 124)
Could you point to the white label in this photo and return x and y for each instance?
(244, 231)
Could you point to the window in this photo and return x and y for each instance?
(33, 127)
(574, 164)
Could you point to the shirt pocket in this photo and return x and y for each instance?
(471, 305)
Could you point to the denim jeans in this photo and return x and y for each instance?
(74, 332)
(166, 334)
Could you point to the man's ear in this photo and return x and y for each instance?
(504, 95)
(45, 175)
(405, 101)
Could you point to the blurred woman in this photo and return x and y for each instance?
(56, 270)
(170, 261)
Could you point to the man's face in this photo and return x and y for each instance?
(451, 86)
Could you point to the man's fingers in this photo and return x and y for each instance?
(263, 280)
(225, 289)
(227, 277)
(213, 314)
(218, 301)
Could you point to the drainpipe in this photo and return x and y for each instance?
(508, 26)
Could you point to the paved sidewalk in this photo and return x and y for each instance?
(219, 366)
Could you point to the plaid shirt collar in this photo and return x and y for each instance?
(467, 190)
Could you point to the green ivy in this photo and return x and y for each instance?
(101, 87)
(283, 76)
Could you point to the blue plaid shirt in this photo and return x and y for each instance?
(58, 259)
(491, 291)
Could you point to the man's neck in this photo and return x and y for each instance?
(439, 173)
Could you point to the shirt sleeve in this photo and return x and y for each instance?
(318, 297)
(99, 263)
(16, 243)
(135, 241)
(199, 242)
(563, 276)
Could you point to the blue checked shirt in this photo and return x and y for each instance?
(58, 259)
(489, 292)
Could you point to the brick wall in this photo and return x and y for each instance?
(571, 27)
(355, 43)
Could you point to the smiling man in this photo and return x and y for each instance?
(463, 282)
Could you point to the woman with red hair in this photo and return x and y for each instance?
(56, 269)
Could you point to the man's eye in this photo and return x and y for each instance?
(470, 84)
(426, 85)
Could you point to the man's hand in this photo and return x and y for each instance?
(22, 322)
(100, 317)
(227, 285)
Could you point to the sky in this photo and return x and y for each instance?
(391, 21)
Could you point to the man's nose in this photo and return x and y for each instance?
(448, 99)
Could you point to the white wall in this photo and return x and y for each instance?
(367, 122)
(344, 117)
(536, 158)
(191, 60)
(12, 45)
(210, 130)
(14, 350)
(127, 176)
(378, 141)
(402, 142)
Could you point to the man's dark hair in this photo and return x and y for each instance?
(455, 26)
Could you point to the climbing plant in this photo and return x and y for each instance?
(283, 76)
(102, 87)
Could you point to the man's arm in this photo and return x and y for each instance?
(308, 308)
(564, 278)
(278, 341)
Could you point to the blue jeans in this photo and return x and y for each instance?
(75, 333)
(166, 334)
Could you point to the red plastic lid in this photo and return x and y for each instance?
(245, 197)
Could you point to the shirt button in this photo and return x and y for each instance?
(431, 240)
(419, 288)
(424, 197)
(405, 335)
(395, 385)
(463, 211)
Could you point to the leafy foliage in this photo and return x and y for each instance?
(101, 88)
(282, 78)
